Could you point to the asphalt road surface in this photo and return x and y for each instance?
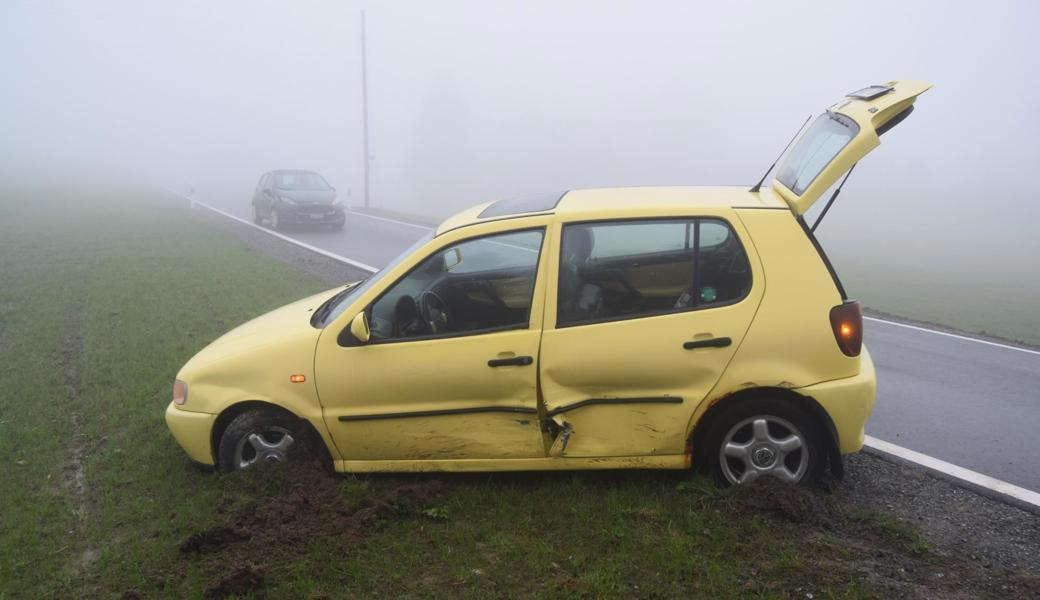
(968, 403)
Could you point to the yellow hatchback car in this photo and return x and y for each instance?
(595, 329)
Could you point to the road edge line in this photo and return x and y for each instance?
(286, 238)
(974, 481)
(405, 223)
(966, 478)
(953, 335)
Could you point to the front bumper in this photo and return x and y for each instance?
(192, 431)
(297, 216)
(848, 402)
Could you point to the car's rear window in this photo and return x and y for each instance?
(827, 136)
(533, 203)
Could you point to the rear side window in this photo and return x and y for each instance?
(630, 269)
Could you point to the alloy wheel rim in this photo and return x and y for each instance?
(269, 445)
(764, 445)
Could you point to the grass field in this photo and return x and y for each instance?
(105, 295)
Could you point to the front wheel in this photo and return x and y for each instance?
(261, 436)
(763, 437)
(258, 219)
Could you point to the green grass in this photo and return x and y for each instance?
(105, 296)
(988, 300)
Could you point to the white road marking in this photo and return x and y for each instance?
(952, 470)
(405, 223)
(954, 335)
(513, 246)
(331, 255)
(928, 462)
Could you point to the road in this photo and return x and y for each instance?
(973, 404)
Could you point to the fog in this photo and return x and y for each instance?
(472, 101)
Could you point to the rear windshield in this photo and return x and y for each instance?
(827, 136)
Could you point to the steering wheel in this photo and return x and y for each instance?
(434, 311)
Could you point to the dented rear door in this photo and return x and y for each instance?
(624, 378)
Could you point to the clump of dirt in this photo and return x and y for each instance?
(308, 505)
(791, 503)
(211, 539)
(241, 580)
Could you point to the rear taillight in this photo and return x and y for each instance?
(180, 392)
(847, 323)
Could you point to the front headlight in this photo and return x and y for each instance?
(337, 205)
(180, 392)
(287, 201)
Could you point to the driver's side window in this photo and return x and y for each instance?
(481, 284)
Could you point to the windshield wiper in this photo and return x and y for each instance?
(322, 312)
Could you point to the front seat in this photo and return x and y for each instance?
(579, 299)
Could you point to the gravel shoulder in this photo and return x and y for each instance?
(956, 522)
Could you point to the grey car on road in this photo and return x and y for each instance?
(297, 197)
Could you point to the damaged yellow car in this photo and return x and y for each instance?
(657, 328)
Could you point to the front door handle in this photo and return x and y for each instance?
(507, 362)
(719, 342)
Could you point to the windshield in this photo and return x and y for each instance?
(827, 136)
(300, 181)
(339, 303)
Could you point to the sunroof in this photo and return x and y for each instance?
(533, 203)
(870, 92)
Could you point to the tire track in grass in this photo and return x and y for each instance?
(75, 475)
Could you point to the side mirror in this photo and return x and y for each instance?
(359, 328)
(452, 259)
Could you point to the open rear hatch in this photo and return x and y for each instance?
(840, 137)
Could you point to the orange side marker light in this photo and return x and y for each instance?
(298, 378)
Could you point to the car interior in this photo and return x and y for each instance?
(477, 285)
(620, 285)
(486, 284)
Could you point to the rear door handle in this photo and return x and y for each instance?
(515, 361)
(719, 342)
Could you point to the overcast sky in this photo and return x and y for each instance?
(473, 101)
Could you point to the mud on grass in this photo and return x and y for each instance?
(278, 512)
(308, 532)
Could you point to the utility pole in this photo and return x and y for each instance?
(364, 103)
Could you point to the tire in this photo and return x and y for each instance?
(257, 218)
(737, 449)
(276, 223)
(263, 436)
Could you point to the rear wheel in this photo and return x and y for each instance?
(262, 436)
(763, 437)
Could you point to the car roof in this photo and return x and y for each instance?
(286, 171)
(623, 202)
